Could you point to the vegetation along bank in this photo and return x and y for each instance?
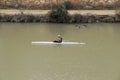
(60, 15)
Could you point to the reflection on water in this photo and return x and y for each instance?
(97, 60)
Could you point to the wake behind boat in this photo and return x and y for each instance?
(50, 42)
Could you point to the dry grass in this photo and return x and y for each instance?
(76, 4)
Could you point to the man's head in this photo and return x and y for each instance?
(59, 35)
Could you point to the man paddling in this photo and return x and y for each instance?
(59, 39)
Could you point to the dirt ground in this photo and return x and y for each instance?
(37, 12)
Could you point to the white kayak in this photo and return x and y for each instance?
(65, 43)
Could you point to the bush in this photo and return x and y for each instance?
(59, 15)
(77, 18)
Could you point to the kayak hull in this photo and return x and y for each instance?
(64, 43)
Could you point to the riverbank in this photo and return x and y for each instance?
(75, 16)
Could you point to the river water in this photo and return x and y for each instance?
(98, 59)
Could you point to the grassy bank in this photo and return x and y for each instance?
(76, 18)
(56, 17)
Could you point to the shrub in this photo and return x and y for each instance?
(77, 18)
(59, 15)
